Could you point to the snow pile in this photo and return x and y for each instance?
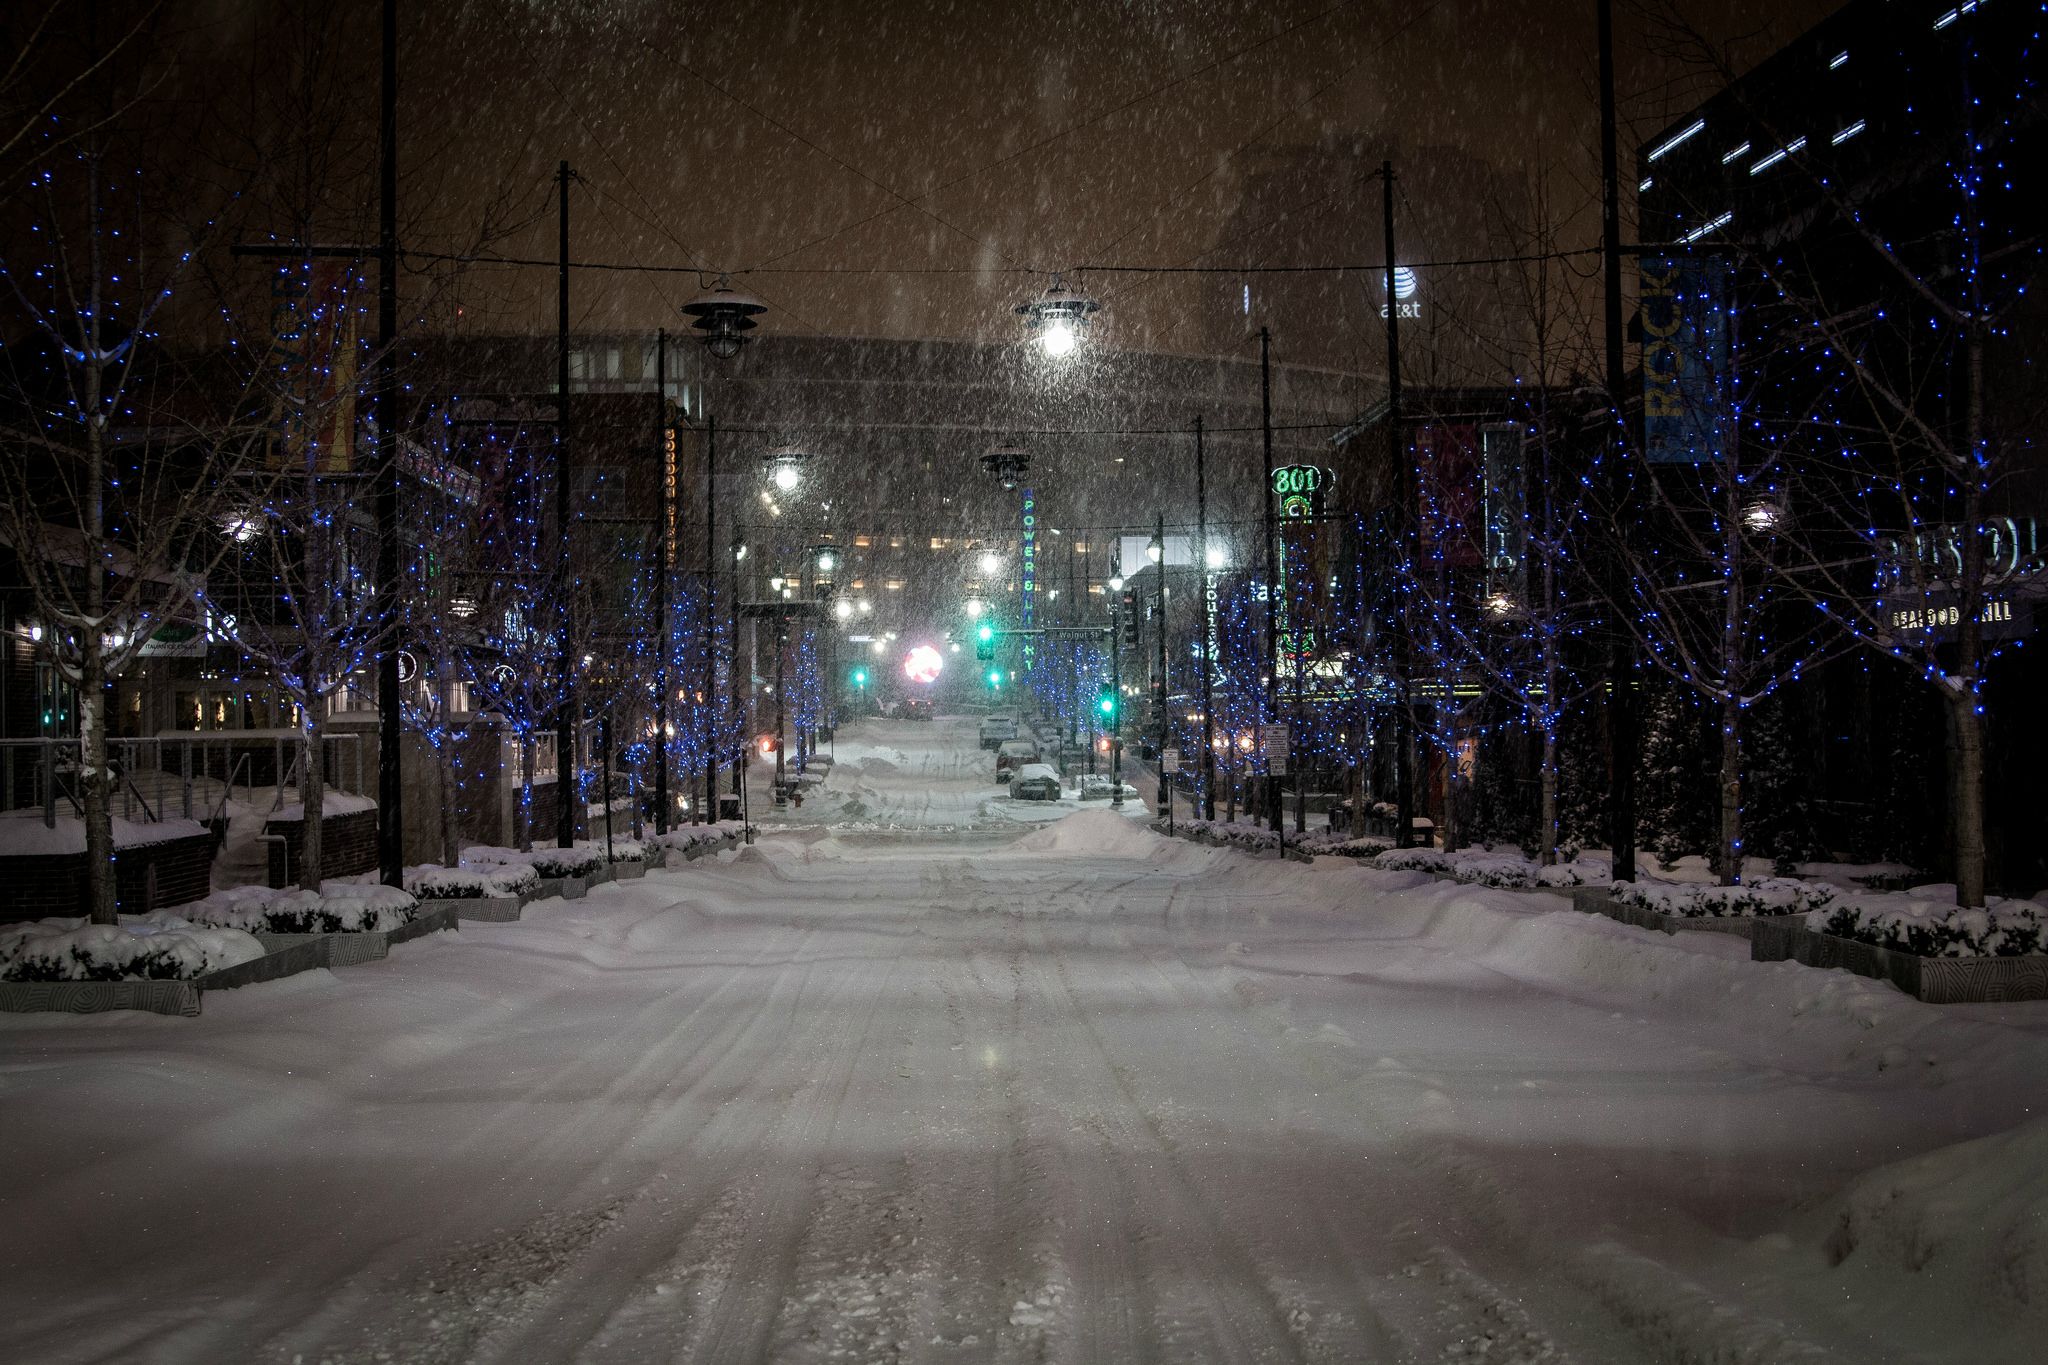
(1764, 897)
(1093, 831)
(1964, 1226)
(24, 835)
(1910, 923)
(154, 947)
(339, 907)
(433, 882)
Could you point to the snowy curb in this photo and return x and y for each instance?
(157, 997)
(1598, 900)
(1934, 980)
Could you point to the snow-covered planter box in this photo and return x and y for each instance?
(478, 893)
(158, 962)
(357, 920)
(695, 841)
(1763, 898)
(1936, 980)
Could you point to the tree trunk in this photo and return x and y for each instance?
(444, 765)
(313, 800)
(1966, 766)
(1546, 832)
(523, 826)
(97, 783)
(1728, 851)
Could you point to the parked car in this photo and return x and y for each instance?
(1035, 782)
(1013, 754)
(997, 727)
(1099, 787)
(916, 708)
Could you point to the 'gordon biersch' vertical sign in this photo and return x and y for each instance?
(1027, 586)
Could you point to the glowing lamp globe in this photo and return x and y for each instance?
(923, 665)
(1057, 339)
(786, 476)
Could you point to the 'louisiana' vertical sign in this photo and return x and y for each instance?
(1027, 582)
(1685, 303)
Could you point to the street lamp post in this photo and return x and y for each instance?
(1158, 553)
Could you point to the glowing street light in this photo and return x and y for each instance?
(786, 468)
(1217, 557)
(1154, 551)
(1058, 319)
(991, 562)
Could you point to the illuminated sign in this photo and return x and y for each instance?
(1299, 489)
(668, 479)
(1028, 578)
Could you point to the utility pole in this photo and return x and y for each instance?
(390, 772)
(565, 717)
(1404, 484)
(711, 708)
(1159, 607)
(664, 564)
(1208, 662)
(1621, 676)
(1272, 566)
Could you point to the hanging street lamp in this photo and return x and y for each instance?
(1058, 319)
(723, 318)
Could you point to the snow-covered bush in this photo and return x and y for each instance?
(685, 837)
(1767, 896)
(2003, 928)
(155, 947)
(336, 908)
(624, 850)
(1413, 860)
(498, 881)
(579, 861)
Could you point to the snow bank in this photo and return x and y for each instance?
(1094, 831)
(154, 947)
(1963, 1229)
(337, 907)
(23, 834)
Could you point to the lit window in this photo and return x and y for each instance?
(1668, 144)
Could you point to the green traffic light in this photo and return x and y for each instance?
(995, 678)
(860, 677)
(986, 634)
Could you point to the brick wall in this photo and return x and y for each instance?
(146, 877)
(348, 844)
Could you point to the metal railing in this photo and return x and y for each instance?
(158, 775)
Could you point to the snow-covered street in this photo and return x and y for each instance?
(1082, 1094)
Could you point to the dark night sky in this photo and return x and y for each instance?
(1038, 135)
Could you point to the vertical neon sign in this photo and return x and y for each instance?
(1028, 578)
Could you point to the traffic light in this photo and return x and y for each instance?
(1105, 702)
(1131, 620)
(985, 641)
(995, 679)
(860, 677)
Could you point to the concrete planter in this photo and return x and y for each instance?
(352, 949)
(629, 869)
(1936, 980)
(568, 888)
(493, 909)
(158, 997)
(600, 876)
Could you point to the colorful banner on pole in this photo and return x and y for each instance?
(1685, 305)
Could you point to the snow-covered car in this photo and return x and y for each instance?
(1035, 782)
(997, 727)
(1013, 754)
(916, 708)
(1097, 787)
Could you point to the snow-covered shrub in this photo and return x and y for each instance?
(336, 908)
(499, 881)
(155, 947)
(625, 850)
(1413, 860)
(2003, 928)
(1765, 897)
(567, 862)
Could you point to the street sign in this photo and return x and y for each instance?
(1276, 750)
(1169, 760)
